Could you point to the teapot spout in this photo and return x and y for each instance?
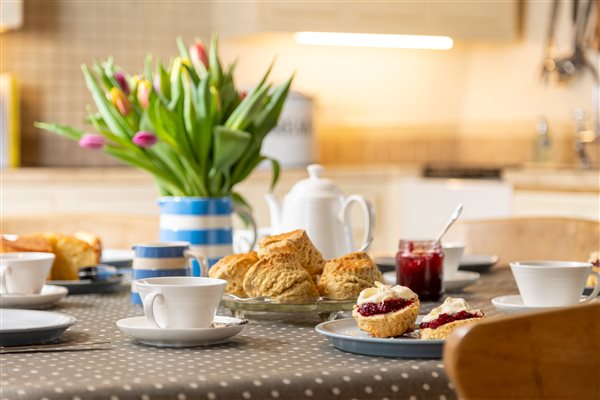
(275, 212)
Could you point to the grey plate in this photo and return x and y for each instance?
(386, 264)
(345, 335)
(477, 263)
(86, 286)
(588, 290)
(470, 262)
(24, 327)
(120, 258)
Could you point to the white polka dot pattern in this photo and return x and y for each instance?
(275, 356)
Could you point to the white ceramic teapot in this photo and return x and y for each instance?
(318, 206)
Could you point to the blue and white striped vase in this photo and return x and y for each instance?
(205, 223)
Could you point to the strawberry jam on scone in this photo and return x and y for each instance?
(442, 320)
(386, 311)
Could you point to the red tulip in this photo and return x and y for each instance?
(198, 55)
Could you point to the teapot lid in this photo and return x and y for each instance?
(315, 184)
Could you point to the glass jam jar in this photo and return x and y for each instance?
(419, 266)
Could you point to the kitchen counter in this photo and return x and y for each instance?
(525, 178)
(391, 190)
(538, 178)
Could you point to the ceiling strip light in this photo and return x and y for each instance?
(374, 40)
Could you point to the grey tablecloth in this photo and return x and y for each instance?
(275, 356)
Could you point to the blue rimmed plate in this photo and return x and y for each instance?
(345, 335)
(120, 258)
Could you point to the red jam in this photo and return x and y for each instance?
(419, 266)
(387, 306)
(444, 319)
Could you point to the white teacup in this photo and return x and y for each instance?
(553, 283)
(24, 273)
(181, 301)
(453, 254)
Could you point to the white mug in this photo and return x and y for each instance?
(24, 273)
(181, 302)
(553, 283)
(453, 254)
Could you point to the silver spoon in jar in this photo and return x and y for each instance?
(451, 221)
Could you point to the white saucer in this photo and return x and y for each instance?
(50, 294)
(458, 282)
(514, 304)
(143, 331)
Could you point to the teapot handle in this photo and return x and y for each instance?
(246, 215)
(369, 220)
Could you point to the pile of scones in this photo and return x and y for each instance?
(288, 267)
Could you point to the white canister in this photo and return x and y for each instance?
(291, 141)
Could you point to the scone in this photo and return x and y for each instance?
(595, 261)
(294, 242)
(279, 276)
(71, 254)
(386, 311)
(233, 269)
(36, 243)
(345, 277)
(442, 320)
(92, 239)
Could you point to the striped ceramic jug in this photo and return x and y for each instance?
(205, 223)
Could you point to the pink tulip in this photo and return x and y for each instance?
(120, 78)
(145, 139)
(198, 55)
(157, 83)
(92, 141)
(120, 100)
(143, 92)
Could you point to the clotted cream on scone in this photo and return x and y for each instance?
(442, 320)
(386, 311)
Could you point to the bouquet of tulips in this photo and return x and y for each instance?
(187, 125)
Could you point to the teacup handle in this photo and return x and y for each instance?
(200, 258)
(149, 308)
(4, 270)
(595, 292)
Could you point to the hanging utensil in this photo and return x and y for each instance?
(549, 65)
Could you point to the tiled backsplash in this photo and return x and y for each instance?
(58, 36)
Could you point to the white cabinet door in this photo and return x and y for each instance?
(427, 203)
(564, 204)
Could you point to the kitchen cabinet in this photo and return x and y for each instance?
(11, 14)
(479, 21)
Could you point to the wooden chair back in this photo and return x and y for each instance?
(541, 238)
(547, 355)
(115, 230)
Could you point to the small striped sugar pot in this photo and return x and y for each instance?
(205, 223)
(154, 260)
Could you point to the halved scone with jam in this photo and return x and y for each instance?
(386, 311)
(442, 320)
